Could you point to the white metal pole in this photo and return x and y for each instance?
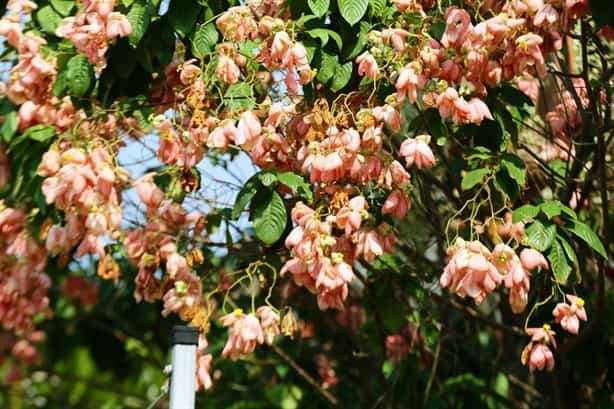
(183, 373)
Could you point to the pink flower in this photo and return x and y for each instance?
(248, 130)
(478, 110)
(369, 244)
(189, 72)
(470, 271)
(203, 365)
(417, 152)
(244, 334)
(350, 217)
(537, 354)
(397, 204)
(569, 315)
(458, 27)
(397, 37)
(516, 278)
(367, 66)
(118, 26)
(148, 192)
(269, 320)
(227, 70)
(408, 83)
(531, 259)
(56, 240)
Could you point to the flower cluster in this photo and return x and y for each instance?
(248, 330)
(23, 283)
(474, 271)
(94, 28)
(85, 185)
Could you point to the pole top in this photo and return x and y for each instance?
(184, 335)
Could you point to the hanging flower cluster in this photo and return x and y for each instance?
(94, 28)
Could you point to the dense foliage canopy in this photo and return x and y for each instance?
(358, 203)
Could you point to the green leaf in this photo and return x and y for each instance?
(571, 255)
(584, 232)
(48, 19)
(9, 126)
(270, 216)
(297, 183)
(514, 167)
(79, 75)
(524, 213)
(327, 67)
(343, 74)
(551, 208)
(267, 177)
(378, 7)
(352, 10)
(319, 7)
(39, 133)
(540, 237)
(204, 39)
(246, 194)
(474, 177)
(323, 34)
(239, 96)
(63, 6)
(183, 16)
(558, 262)
(138, 16)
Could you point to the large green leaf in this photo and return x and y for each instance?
(323, 34)
(327, 68)
(584, 232)
(571, 255)
(63, 6)
(558, 262)
(378, 7)
(352, 10)
(138, 16)
(204, 39)
(319, 7)
(79, 75)
(514, 167)
(246, 194)
(48, 19)
(9, 126)
(540, 237)
(270, 216)
(474, 177)
(524, 213)
(343, 74)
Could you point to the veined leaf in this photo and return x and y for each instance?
(319, 7)
(138, 16)
(79, 75)
(540, 237)
(204, 39)
(474, 177)
(352, 10)
(343, 74)
(270, 216)
(584, 232)
(524, 212)
(558, 262)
